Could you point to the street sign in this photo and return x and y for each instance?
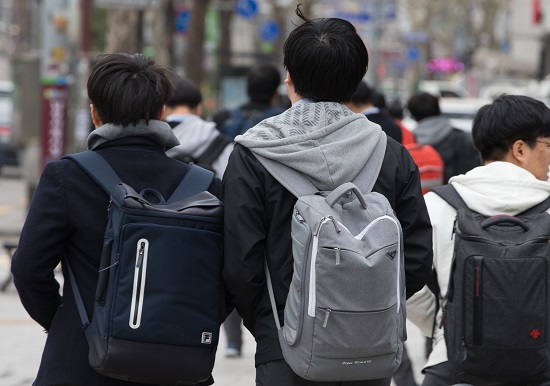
(181, 22)
(269, 31)
(133, 4)
(246, 8)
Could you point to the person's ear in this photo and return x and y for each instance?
(519, 152)
(95, 116)
(163, 113)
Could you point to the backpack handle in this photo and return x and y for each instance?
(342, 190)
(499, 219)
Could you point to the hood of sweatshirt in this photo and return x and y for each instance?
(158, 131)
(432, 130)
(500, 187)
(325, 141)
(194, 135)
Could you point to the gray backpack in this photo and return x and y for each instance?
(344, 317)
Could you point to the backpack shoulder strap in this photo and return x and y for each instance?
(195, 181)
(539, 208)
(213, 151)
(450, 195)
(97, 168)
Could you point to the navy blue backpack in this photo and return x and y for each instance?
(159, 299)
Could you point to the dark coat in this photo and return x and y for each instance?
(387, 124)
(458, 153)
(251, 192)
(67, 217)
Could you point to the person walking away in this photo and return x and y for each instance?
(67, 215)
(199, 140)
(326, 142)
(262, 83)
(513, 136)
(453, 145)
(362, 101)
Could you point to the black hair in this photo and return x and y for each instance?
(262, 82)
(186, 93)
(509, 118)
(125, 89)
(326, 59)
(423, 105)
(395, 109)
(362, 95)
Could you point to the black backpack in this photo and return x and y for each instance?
(159, 299)
(496, 317)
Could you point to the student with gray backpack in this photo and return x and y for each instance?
(491, 233)
(67, 223)
(297, 268)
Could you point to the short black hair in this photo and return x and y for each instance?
(362, 95)
(186, 93)
(326, 59)
(509, 118)
(126, 89)
(262, 81)
(395, 109)
(423, 105)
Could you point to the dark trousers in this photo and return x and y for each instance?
(279, 373)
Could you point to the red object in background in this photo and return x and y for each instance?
(537, 12)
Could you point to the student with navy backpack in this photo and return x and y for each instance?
(491, 231)
(67, 217)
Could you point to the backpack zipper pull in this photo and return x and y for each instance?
(299, 217)
(454, 229)
(327, 314)
(140, 255)
(337, 251)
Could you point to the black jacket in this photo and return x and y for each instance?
(458, 153)
(68, 217)
(251, 192)
(387, 124)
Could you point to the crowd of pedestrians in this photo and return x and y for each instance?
(147, 119)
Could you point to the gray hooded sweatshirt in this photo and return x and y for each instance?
(325, 141)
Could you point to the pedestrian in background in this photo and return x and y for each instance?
(325, 61)
(262, 83)
(362, 101)
(199, 140)
(453, 145)
(67, 216)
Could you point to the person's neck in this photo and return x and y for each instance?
(181, 110)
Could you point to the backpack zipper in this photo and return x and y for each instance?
(139, 283)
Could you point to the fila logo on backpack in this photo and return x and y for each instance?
(159, 299)
(344, 317)
(497, 311)
(430, 165)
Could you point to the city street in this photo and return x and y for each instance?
(22, 339)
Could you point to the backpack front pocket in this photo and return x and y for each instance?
(378, 333)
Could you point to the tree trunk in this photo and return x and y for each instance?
(124, 31)
(226, 17)
(195, 46)
(161, 21)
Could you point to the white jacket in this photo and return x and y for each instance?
(496, 188)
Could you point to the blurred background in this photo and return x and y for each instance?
(466, 51)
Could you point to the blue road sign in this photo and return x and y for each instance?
(246, 8)
(269, 31)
